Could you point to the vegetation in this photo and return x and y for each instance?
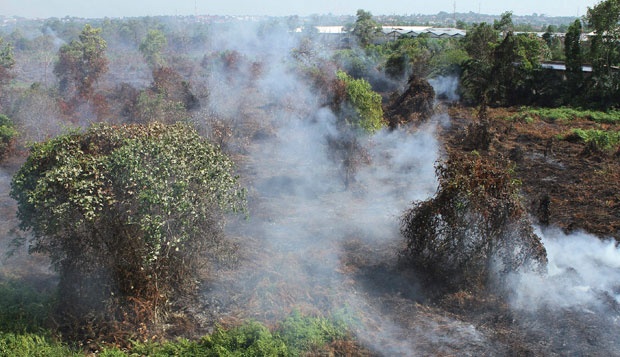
(365, 29)
(366, 104)
(567, 114)
(130, 212)
(597, 140)
(81, 63)
(125, 214)
(7, 135)
(474, 231)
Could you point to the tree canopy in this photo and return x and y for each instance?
(81, 63)
(125, 213)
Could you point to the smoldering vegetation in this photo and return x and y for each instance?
(325, 203)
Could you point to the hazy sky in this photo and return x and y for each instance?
(120, 8)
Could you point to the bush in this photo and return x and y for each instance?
(368, 113)
(595, 139)
(23, 308)
(125, 214)
(7, 135)
(32, 345)
(474, 231)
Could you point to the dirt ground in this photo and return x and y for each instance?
(564, 184)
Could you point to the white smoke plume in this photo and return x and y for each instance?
(583, 272)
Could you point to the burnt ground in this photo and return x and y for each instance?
(565, 184)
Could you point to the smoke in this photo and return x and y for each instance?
(446, 87)
(583, 273)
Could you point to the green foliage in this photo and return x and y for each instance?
(32, 345)
(126, 213)
(152, 46)
(249, 339)
(302, 334)
(23, 308)
(599, 140)
(566, 114)
(365, 102)
(572, 48)
(297, 335)
(82, 62)
(365, 29)
(7, 134)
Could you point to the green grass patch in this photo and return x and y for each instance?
(599, 139)
(297, 335)
(565, 114)
(33, 345)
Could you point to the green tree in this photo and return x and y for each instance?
(505, 24)
(126, 214)
(366, 104)
(366, 28)
(604, 19)
(81, 63)
(7, 135)
(7, 61)
(476, 78)
(572, 48)
(152, 46)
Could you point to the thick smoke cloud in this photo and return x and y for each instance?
(583, 272)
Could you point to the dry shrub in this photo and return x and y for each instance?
(417, 103)
(475, 230)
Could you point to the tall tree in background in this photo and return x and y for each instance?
(81, 63)
(572, 48)
(7, 62)
(365, 28)
(152, 46)
(480, 43)
(604, 20)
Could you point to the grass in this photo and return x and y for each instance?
(24, 311)
(601, 140)
(565, 114)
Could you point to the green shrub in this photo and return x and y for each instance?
(302, 334)
(365, 102)
(23, 308)
(249, 339)
(600, 140)
(32, 345)
(7, 134)
(565, 114)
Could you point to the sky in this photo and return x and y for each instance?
(133, 8)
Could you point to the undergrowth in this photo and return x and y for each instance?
(24, 311)
(565, 114)
(600, 140)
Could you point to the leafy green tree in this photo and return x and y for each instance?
(476, 78)
(81, 63)
(7, 135)
(480, 42)
(7, 61)
(366, 28)
(152, 46)
(126, 214)
(572, 48)
(366, 104)
(604, 19)
(505, 24)
(604, 85)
